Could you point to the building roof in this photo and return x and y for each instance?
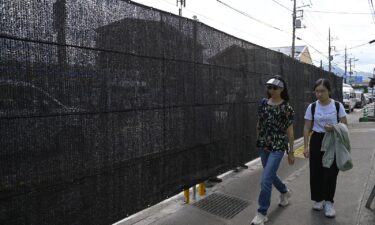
(287, 50)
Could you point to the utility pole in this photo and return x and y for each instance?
(373, 87)
(345, 67)
(329, 49)
(182, 4)
(294, 28)
(350, 70)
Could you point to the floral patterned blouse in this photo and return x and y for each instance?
(274, 120)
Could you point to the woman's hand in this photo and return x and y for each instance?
(328, 127)
(306, 152)
(291, 158)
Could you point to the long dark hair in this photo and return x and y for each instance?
(284, 94)
(325, 83)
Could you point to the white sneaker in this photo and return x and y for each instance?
(284, 198)
(329, 211)
(259, 219)
(318, 206)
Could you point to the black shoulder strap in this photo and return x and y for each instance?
(337, 104)
(313, 106)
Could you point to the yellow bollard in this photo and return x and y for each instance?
(187, 196)
(201, 189)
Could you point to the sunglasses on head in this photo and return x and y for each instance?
(274, 87)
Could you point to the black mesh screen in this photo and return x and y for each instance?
(107, 107)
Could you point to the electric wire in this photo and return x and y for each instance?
(283, 6)
(216, 21)
(332, 12)
(264, 23)
(251, 17)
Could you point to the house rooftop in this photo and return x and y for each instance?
(287, 50)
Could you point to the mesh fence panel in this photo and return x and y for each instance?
(108, 107)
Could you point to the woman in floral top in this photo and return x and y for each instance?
(274, 130)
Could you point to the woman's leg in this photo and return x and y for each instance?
(316, 167)
(279, 185)
(270, 162)
(330, 179)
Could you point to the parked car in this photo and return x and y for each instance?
(349, 97)
(369, 98)
(360, 99)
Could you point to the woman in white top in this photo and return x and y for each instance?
(322, 180)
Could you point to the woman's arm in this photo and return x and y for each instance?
(306, 137)
(344, 120)
(290, 133)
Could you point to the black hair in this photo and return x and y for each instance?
(325, 83)
(284, 94)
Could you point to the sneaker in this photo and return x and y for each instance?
(329, 211)
(318, 206)
(259, 219)
(284, 198)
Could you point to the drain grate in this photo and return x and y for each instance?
(222, 205)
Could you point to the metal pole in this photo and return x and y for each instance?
(350, 71)
(329, 49)
(194, 192)
(294, 28)
(345, 67)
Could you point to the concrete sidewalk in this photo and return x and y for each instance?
(353, 189)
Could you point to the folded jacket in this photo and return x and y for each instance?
(337, 144)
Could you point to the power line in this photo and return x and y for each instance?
(216, 21)
(328, 12)
(317, 34)
(357, 46)
(257, 20)
(224, 24)
(251, 17)
(282, 5)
